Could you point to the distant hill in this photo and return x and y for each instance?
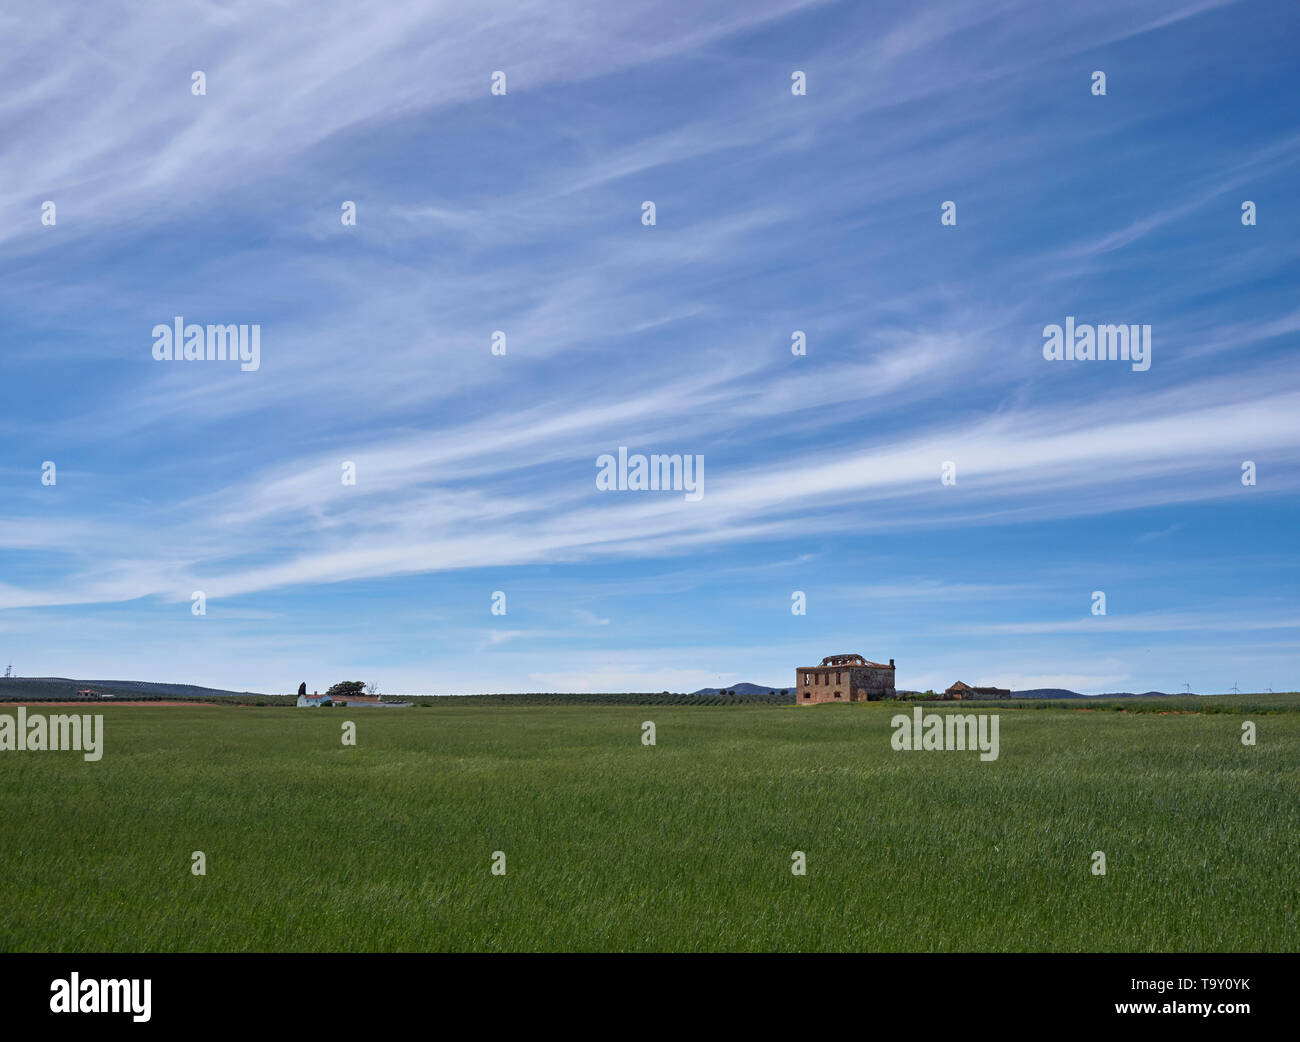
(1042, 693)
(1060, 692)
(1052, 693)
(51, 689)
(54, 688)
(741, 689)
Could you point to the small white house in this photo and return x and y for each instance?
(315, 701)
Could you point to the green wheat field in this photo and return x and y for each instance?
(611, 845)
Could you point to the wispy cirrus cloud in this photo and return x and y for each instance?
(522, 213)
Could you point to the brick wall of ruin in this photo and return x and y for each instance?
(875, 684)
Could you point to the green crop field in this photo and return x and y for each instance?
(611, 845)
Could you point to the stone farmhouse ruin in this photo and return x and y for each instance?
(844, 678)
(964, 693)
(851, 678)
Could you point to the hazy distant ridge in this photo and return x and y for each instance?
(58, 687)
(1038, 692)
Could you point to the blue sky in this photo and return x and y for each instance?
(774, 213)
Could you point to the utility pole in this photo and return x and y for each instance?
(9, 671)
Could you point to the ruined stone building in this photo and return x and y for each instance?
(844, 678)
(965, 693)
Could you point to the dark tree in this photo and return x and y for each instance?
(302, 688)
(346, 689)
